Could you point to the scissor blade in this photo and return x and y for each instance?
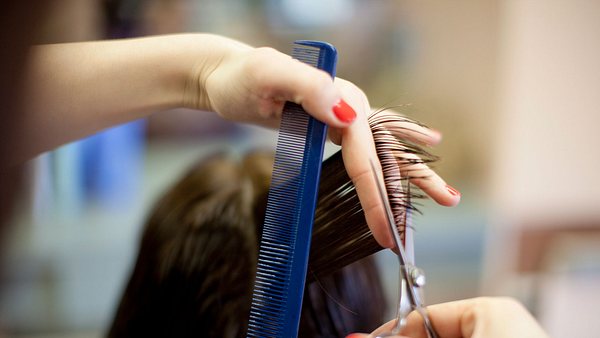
(409, 244)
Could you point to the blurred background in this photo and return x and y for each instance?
(514, 86)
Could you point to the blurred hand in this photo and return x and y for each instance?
(252, 85)
(471, 318)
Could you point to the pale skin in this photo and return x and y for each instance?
(77, 89)
(471, 318)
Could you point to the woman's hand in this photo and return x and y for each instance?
(471, 318)
(358, 147)
(77, 89)
(252, 84)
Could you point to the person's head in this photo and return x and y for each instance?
(195, 269)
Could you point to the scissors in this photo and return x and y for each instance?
(412, 279)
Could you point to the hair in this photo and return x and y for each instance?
(197, 260)
(340, 234)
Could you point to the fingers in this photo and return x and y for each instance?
(358, 149)
(383, 330)
(282, 78)
(428, 180)
(447, 320)
(471, 318)
(391, 132)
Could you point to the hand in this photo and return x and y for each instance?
(471, 318)
(252, 84)
(95, 85)
(358, 147)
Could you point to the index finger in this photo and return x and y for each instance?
(358, 149)
(447, 320)
(287, 79)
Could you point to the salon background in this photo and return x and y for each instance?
(513, 85)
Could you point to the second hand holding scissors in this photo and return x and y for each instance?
(412, 279)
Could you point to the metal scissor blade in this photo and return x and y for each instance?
(409, 244)
(410, 293)
(388, 209)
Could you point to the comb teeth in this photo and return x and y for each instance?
(276, 256)
(309, 55)
(284, 247)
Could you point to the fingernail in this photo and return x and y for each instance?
(344, 112)
(354, 335)
(452, 190)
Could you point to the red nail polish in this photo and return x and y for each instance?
(452, 190)
(354, 335)
(344, 112)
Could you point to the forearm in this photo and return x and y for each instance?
(76, 89)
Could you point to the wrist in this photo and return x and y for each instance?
(177, 66)
(197, 56)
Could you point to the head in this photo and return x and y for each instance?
(195, 269)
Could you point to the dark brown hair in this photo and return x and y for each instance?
(197, 260)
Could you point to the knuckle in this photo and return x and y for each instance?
(262, 53)
(354, 94)
(260, 65)
(510, 303)
(504, 303)
(259, 58)
(348, 86)
(267, 51)
(320, 83)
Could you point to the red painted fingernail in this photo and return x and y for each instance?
(354, 335)
(344, 112)
(452, 190)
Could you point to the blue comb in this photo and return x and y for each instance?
(285, 243)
